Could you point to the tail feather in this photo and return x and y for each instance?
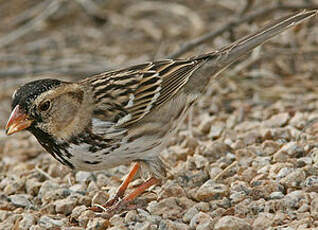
(225, 56)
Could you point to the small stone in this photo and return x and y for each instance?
(238, 196)
(171, 188)
(167, 208)
(201, 221)
(116, 220)
(205, 123)
(143, 226)
(298, 120)
(36, 227)
(247, 125)
(216, 129)
(276, 195)
(78, 188)
(13, 185)
(97, 224)
(232, 222)
(4, 215)
(263, 221)
(48, 208)
(27, 221)
(21, 200)
(202, 206)
(295, 179)
(199, 161)
(211, 191)
(294, 199)
(50, 223)
(214, 171)
(32, 186)
(100, 198)
(314, 206)
(251, 137)
(65, 206)
(277, 120)
(187, 217)
(270, 147)
(293, 149)
(102, 180)
(311, 183)
(180, 153)
(304, 208)
(84, 217)
(131, 216)
(47, 187)
(83, 176)
(77, 211)
(167, 224)
(92, 187)
(216, 149)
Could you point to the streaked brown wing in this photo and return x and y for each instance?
(126, 96)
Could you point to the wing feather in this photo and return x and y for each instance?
(124, 97)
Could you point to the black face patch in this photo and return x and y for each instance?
(27, 93)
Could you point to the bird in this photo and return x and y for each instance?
(127, 115)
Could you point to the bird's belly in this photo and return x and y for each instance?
(142, 142)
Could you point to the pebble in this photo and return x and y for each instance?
(167, 208)
(171, 188)
(232, 222)
(82, 176)
(167, 224)
(311, 183)
(295, 179)
(21, 200)
(276, 195)
(32, 186)
(47, 187)
(216, 129)
(270, 147)
(189, 214)
(263, 221)
(100, 198)
(12, 185)
(84, 217)
(97, 224)
(211, 190)
(65, 206)
(277, 120)
(199, 161)
(27, 221)
(215, 150)
(314, 206)
(179, 152)
(50, 223)
(77, 211)
(201, 221)
(294, 199)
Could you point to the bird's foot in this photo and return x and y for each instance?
(117, 204)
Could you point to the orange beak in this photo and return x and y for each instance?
(18, 121)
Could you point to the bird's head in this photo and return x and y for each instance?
(48, 105)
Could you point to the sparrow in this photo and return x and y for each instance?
(127, 115)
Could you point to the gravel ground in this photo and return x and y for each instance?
(245, 159)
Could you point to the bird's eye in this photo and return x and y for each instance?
(45, 106)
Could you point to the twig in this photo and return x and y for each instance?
(245, 19)
(29, 13)
(44, 173)
(28, 27)
(226, 170)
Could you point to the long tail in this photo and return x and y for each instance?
(225, 56)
